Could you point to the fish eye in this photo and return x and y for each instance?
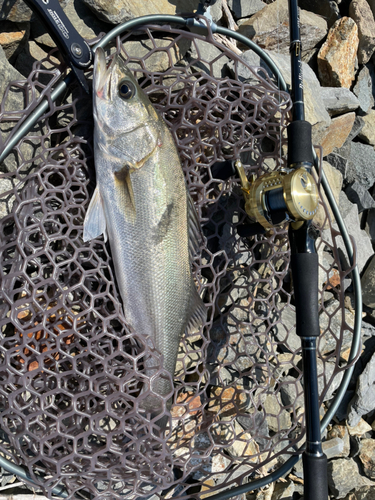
(126, 89)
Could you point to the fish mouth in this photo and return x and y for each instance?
(102, 73)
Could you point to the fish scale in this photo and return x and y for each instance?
(141, 202)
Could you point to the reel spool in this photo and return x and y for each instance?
(72, 369)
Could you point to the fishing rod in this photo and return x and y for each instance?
(292, 196)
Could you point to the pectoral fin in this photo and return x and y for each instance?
(95, 223)
(124, 177)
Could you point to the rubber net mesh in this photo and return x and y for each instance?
(71, 370)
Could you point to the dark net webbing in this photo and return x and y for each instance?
(71, 370)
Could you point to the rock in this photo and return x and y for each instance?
(337, 132)
(363, 493)
(345, 205)
(336, 58)
(360, 237)
(328, 369)
(344, 476)
(363, 90)
(208, 52)
(333, 448)
(30, 55)
(284, 363)
(81, 17)
(269, 28)
(17, 11)
(368, 285)
(285, 331)
(13, 37)
(243, 446)
(328, 9)
(245, 8)
(291, 392)
(339, 100)
(341, 432)
(359, 429)
(283, 491)
(331, 322)
(367, 457)
(364, 400)
(361, 13)
(315, 109)
(370, 224)
(257, 424)
(277, 418)
(361, 165)
(359, 195)
(339, 163)
(334, 178)
(119, 11)
(367, 134)
(14, 101)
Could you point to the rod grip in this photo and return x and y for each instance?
(305, 268)
(315, 477)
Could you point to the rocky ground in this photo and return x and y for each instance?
(339, 71)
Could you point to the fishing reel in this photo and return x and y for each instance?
(278, 197)
(288, 195)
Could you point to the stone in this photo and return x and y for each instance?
(284, 363)
(368, 285)
(17, 11)
(367, 457)
(334, 178)
(345, 205)
(359, 429)
(361, 165)
(336, 58)
(363, 493)
(257, 424)
(341, 432)
(14, 101)
(277, 418)
(328, 369)
(344, 477)
(367, 134)
(361, 13)
(243, 446)
(245, 8)
(370, 224)
(337, 133)
(363, 90)
(119, 11)
(339, 100)
(359, 195)
(209, 53)
(316, 112)
(269, 28)
(364, 400)
(330, 320)
(339, 163)
(13, 37)
(31, 54)
(333, 448)
(328, 9)
(291, 392)
(283, 491)
(81, 17)
(285, 331)
(360, 236)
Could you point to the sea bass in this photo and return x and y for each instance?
(141, 202)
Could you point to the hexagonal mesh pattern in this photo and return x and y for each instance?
(71, 370)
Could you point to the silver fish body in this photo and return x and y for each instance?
(141, 202)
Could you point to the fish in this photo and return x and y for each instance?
(142, 205)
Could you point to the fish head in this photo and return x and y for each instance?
(127, 127)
